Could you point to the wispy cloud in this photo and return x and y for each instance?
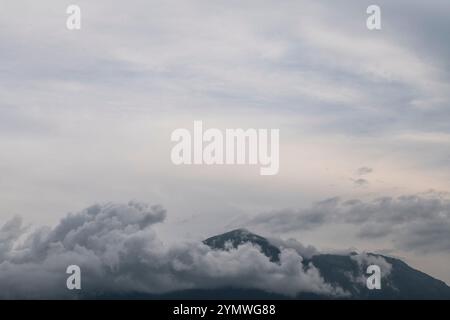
(413, 222)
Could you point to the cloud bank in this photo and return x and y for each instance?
(119, 252)
(419, 222)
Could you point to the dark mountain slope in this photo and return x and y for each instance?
(400, 282)
(240, 236)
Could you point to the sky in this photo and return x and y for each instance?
(364, 118)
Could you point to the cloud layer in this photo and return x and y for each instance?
(82, 122)
(119, 252)
(418, 222)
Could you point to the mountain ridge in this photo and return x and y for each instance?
(348, 271)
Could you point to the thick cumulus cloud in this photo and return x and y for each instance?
(119, 253)
(418, 222)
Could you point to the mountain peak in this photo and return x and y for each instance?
(241, 236)
(341, 270)
(240, 231)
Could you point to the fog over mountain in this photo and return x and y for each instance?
(86, 117)
(120, 254)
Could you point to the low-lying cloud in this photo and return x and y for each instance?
(119, 253)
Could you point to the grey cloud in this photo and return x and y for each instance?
(288, 219)
(414, 222)
(427, 236)
(119, 252)
(374, 230)
(364, 170)
(360, 182)
(9, 233)
(304, 251)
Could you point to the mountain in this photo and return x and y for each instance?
(339, 270)
(240, 236)
(346, 271)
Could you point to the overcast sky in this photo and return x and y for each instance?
(364, 117)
